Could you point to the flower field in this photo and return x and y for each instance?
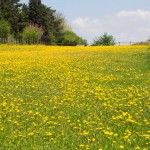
(74, 98)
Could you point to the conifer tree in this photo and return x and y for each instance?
(45, 17)
(9, 10)
(24, 17)
(35, 8)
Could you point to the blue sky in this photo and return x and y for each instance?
(126, 20)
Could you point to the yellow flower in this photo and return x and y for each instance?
(48, 133)
(4, 104)
(1, 128)
(93, 139)
(30, 111)
(85, 132)
(115, 134)
(81, 145)
(121, 147)
(30, 134)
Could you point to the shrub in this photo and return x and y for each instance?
(32, 34)
(4, 29)
(148, 41)
(71, 39)
(104, 40)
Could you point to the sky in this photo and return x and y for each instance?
(126, 20)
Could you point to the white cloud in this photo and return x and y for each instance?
(82, 22)
(137, 13)
(125, 26)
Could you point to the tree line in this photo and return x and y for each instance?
(34, 22)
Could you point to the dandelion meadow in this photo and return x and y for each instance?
(68, 98)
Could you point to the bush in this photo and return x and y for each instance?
(148, 41)
(32, 34)
(4, 29)
(104, 40)
(71, 39)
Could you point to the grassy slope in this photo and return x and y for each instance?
(74, 97)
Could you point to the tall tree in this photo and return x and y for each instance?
(23, 17)
(45, 17)
(35, 8)
(9, 10)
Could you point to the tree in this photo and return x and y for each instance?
(104, 40)
(50, 25)
(59, 26)
(35, 7)
(20, 16)
(10, 10)
(45, 18)
(63, 23)
(148, 41)
(4, 29)
(41, 14)
(32, 34)
(23, 17)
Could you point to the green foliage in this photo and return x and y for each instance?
(148, 41)
(70, 38)
(35, 12)
(4, 29)
(32, 34)
(83, 41)
(10, 11)
(44, 17)
(63, 23)
(104, 40)
(52, 39)
(21, 15)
